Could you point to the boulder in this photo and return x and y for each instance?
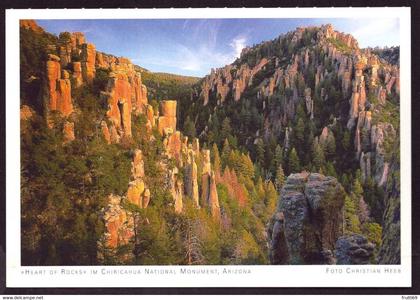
(354, 249)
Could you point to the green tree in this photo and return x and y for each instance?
(225, 153)
(293, 162)
(300, 133)
(352, 223)
(278, 156)
(318, 158)
(260, 149)
(189, 128)
(216, 158)
(280, 178)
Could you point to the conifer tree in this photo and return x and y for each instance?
(225, 153)
(216, 158)
(294, 163)
(260, 152)
(280, 178)
(318, 155)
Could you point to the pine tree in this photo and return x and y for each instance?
(352, 223)
(318, 159)
(226, 129)
(216, 159)
(280, 178)
(330, 146)
(225, 153)
(260, 152)
(246, 167)
(300, 133)
(294, 163)
(278, 156)
(346, 141)
(189, 128)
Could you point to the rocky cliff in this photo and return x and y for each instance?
(308, 220)
(310, 89)
(73, 63)
(318, 56)
(308, 100)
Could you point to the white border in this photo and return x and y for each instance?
(261, 276)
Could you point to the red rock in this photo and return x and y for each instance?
(31, 24)
(77, 73)
(88, 56)
(167, 120)
(58, 91)
(118, 93)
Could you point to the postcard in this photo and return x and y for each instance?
(263, 147)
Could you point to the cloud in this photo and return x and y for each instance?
(200, 50)
(375, 32)
(238, 44)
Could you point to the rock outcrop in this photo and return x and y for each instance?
(191, 179)
(308, 220)
(88, 57)
(209, 197)
(137, 192)
(167, 119)
(57, 87)
(119, 229)
(390, 250)
(354, 249)
(358, 97)
(32, 25)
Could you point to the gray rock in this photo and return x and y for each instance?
(353, 249)
(308, 220)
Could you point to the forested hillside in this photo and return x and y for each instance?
(290, 155)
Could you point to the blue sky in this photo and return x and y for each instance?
(194, 46)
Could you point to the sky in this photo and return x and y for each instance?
(194, 46)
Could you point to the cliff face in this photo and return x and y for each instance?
(74, 63)
(312, 93)
(320, 55)
(308, 220)
(312, 84)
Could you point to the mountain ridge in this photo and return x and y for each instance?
(295, 104)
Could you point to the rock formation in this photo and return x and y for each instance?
(32, 25)
(167, 120)
(57, 87)
(191, 177)
(354, 249)
(209, 197)
(389, 252)
(77, 73)
(119, 228)
(118, 95)
(358, 97)
(88, 56)
(137, 192)
(307, 223)
(309, 103)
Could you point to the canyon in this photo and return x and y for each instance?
(314, 74)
